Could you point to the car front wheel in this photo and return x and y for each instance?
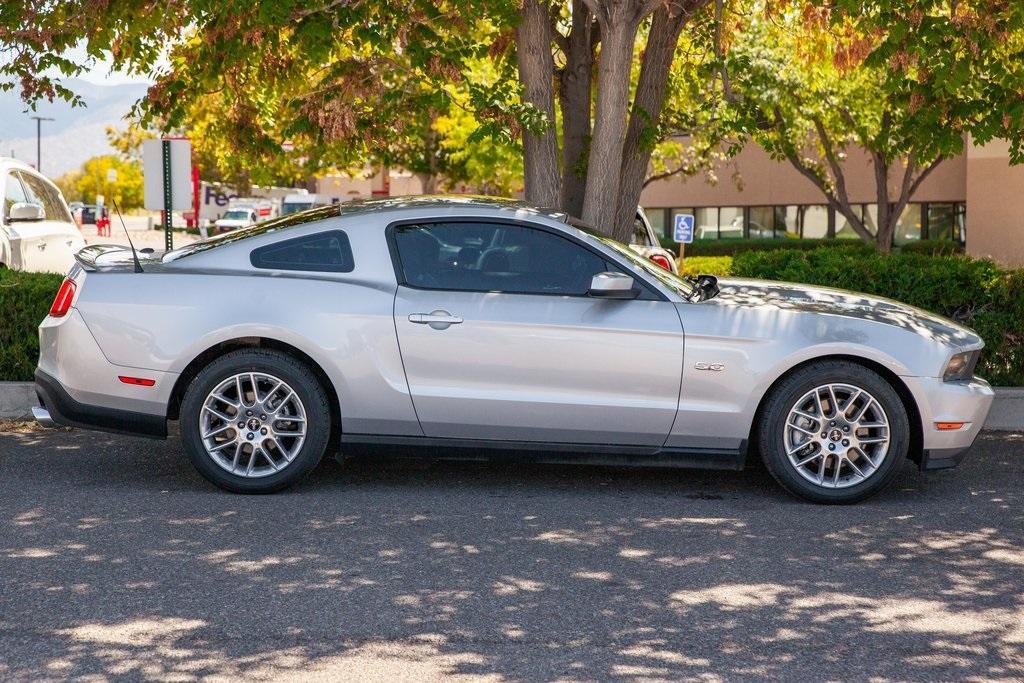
(255, 421)
(834, 432)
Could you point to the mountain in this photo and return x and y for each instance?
(75, 134)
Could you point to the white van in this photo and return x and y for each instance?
(37, 232)
(301, 201)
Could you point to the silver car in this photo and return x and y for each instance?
(478, 327)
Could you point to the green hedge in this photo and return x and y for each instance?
(25, 299)
(706, 265)
(932, 247)
(975, 293)
(736, 246)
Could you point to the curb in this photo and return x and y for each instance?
(1007, 414)
(17, 399)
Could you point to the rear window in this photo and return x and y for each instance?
(326, 252)
(264, 228)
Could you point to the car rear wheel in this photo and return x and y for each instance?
(834, 432)
(255, 421)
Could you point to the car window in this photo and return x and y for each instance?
(494, 257)
(640, 235)
(41, 193)
(327, 252)
(13, 193)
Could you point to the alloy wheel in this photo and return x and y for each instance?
(252, 424)
(836, 435)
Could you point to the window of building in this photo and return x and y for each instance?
(762, 222)
(814, 221)
(945, 221)
(327, 252)
(908, 227)
(730, 222)
(787, 221)
(705, 223)
(494, 257)
(657, 219)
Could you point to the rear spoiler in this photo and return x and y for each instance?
(119, 257)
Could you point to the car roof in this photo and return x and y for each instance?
(438, 201)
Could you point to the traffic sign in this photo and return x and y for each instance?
(683, 232)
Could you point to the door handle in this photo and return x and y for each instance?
(438, 320)
(41, 246)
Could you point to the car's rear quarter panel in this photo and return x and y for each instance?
(344, 322)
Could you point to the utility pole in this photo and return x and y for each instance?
(39, 145)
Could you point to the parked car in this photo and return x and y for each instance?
(235, 218)
(645, 242)
(300, 201)
(37, 232)
(471, 327)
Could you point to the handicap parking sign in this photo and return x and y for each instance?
(683, 228)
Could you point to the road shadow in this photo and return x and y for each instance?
(117, 560)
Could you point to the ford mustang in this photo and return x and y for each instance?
(470, 327)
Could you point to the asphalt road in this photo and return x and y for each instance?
(117, 560)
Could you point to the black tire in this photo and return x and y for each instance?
(784, 396)
(308, 390)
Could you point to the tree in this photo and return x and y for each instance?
(344, 79)
(126, 189)
(906, 82)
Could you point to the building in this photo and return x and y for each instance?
(976, 198)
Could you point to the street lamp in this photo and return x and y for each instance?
(39, 149)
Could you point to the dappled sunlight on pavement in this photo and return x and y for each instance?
(116, 559)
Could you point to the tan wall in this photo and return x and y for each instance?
(995, 204)
(767, 182)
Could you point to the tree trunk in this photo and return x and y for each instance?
(536, 73)
(618, 32)
(574, 97)
(648, 102)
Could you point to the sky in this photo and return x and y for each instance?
(99, 71)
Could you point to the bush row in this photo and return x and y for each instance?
(730, 247)
(973, 292)
(25, 299)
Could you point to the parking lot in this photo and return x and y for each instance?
(117, 559)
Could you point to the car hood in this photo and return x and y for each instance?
(829, 301)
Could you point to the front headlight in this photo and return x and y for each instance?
(961, 366)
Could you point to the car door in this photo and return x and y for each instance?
(500, 339)
(23, 237)
(58, 236)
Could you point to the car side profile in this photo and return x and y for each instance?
(37, 231)
(476, 327)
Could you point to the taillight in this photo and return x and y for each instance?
(662, 261)
(62, 302)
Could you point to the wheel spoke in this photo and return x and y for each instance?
(833, 403)
(856, 469)
(222, 416)
(220, 430)
(801, 429)
(850, 402)
(809, 459)
(808, 416)
(821, 469)
(234, 459)
(837, 468)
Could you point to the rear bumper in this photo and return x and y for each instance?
(62, 409)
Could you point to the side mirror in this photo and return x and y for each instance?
(708, 286)
(23, 211)
(612, 286)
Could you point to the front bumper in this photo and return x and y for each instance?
(938, 401)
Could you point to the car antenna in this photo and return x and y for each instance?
(135, 257)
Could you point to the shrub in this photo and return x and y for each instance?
(932, 247)
(25, 299)
(705, 265)
(973, 292)
(736, 246)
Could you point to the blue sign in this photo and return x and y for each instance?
(683, 228)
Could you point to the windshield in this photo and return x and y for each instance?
(684, 287)
(237, 215)
(292, 207)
